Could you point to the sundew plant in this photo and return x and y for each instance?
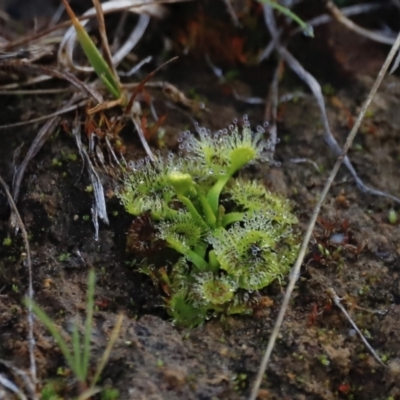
(234, 237)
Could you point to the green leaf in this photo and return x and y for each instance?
(94, 56)
(307, 29)
(89, 322)
(49, 324)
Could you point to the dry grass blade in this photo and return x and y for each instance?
(33, 92)
(136, 122)
(99, 209)
(65, 52)
(339, 16)
(316, 90)
(271, 110)
(141, 85)
(105, 106)
(296, 268)
(11, 387)
(232, 13)
(346, 11)
(39, 119)
(336, 299)
(44, 133)
(177, 96)
(106, 355)
(65, 75)
(329, 138)
(55, 73)
(28, 82)
(132, 39)
(30, 38)
(104, 41)
(31, 382)
(136, 67)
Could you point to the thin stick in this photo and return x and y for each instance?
(29, 39)
(34, 92)
(271, 110)
(348, 23)
(30, 287)
(106, 355)
(336, 300)
(296, 268)
(42, 118)
(103, 34)
(316, 90)
(348, 12)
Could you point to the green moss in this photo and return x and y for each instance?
(110, 394)
(7, 241)
(392, 217)
(56, 162)
(64, 257)
(233, 235)
(324, 360)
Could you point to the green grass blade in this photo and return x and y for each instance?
(89, 322)
(49, 324)
(106, 355)
(76, 347)
(94, 56)
(307, 29)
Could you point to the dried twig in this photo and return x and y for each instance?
(99, 208)
(33, 92)
(357, 9)
(132, 39)
(28, 82)
(339, 16)
(336, 299)
(56, 73)
(316, 90)
(271, 110)
(103, 35)
(136, 122)
(11, 387)
(136, 67)
(121, 6)
(232, 13)
(65, 52)
(42, 118)
(296, 268)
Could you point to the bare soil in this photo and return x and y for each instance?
(318, 354)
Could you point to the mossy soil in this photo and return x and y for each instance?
(318, 355)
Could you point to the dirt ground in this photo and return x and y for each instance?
(318, 354)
